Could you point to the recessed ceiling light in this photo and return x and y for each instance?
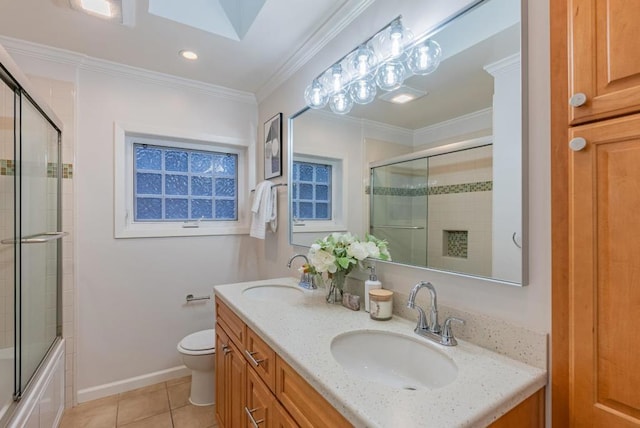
(402, 95)
(122, 11)
(402, 98)
(188, 55)
(99, 7)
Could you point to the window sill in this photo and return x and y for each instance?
(324, 227)
(156, 231)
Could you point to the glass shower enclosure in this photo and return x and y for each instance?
(30, 244)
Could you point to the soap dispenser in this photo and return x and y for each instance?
(370, 284)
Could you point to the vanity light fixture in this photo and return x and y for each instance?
(187, 54)
(383, 61)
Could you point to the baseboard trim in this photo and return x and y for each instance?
(125, 385)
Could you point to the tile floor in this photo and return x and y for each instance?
(164, 405)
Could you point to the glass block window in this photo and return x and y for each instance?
(176, 184)
(311, 191)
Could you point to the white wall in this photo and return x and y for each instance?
(525, 306)
(132, 311)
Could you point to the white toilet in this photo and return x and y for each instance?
(198, 352)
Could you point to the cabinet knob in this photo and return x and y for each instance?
(578, 99)
(577, 144)
(226, 349)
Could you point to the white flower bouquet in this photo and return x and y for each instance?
(338, 253)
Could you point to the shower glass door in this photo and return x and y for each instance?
(40, 243)
(7, 249)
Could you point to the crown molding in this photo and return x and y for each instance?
(505, 65)
(85, 62)
(457, 122)
(337, 22)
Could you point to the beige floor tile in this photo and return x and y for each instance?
(162, 420)
(179, 394)
(176, 381)
(100, 413)
(143, 390)
(138, 406)
(191, 416)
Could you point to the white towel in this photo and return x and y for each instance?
(261, 209)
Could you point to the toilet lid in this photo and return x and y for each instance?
(200, 341)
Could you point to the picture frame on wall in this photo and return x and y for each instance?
(273, 147)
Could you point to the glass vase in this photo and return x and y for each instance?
(336, 287)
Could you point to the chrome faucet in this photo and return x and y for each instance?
(432, 325)
(306, 280)
(431, 328)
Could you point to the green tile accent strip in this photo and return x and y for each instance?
(7, 167)
(456, 243)
(479, 186)
(67, 170)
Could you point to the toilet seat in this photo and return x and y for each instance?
(199, 343)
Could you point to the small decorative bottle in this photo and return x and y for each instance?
(371, 284)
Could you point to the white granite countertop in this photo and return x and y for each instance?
(300, 330)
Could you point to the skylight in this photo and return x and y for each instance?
(227, 18)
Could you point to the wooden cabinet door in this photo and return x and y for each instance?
(604, 274)
(604, 58)
(231, 372)
(237, 368)
(222, 341)
(260, 402)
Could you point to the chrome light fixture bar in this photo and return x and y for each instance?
(382, 61)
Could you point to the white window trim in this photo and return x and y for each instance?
(125, 227)
(338, 197)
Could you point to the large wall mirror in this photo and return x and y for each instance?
(439, 177)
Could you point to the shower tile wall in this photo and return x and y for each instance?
(460, 184)
(6, 217)
(60, 96)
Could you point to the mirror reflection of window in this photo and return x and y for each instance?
(311, 191)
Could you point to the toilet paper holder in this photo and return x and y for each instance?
(191, 298)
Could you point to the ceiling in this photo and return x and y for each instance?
(282, 31)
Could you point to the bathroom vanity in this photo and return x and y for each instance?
(278, 365)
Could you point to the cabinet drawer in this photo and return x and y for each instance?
(307, 407)
(233, 325)
(282, 419)
(260, 402)
(261, 358)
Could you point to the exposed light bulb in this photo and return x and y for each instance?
(425, 57)
(341, 103)
(363, 61)
(390, 76)
(336, 78)
(395, 34)
(315, 95)
(363, 91)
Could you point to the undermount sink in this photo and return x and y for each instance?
(273, 292)
(393, 360)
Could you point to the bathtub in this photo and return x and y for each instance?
(6, 379)
(43, 402)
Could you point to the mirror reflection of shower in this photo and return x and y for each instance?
(435, 210)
